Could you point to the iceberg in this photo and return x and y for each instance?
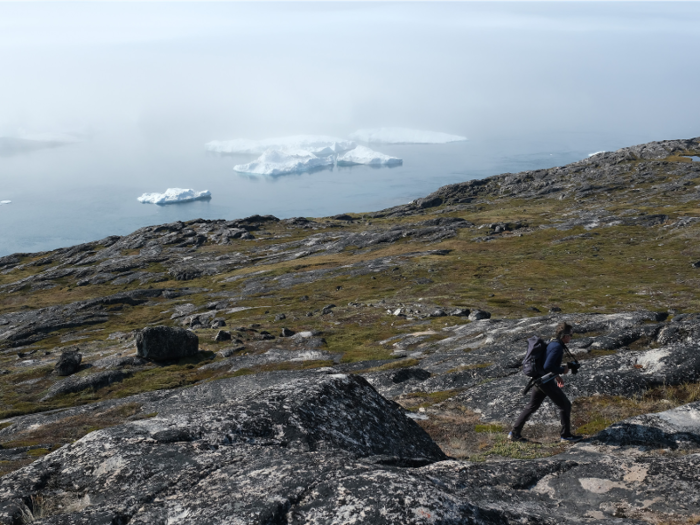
(596, 153)
(281, 161)
(404, 136)
(364, 155)
(319, 145)
(174, 195)
(5, 202)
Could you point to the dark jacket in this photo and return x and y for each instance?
(553, 357)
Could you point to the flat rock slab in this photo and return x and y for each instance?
(674, 429)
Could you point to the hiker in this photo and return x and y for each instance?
(550, 386)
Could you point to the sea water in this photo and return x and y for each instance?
(88, 190)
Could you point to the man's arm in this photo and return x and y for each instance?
(552, 362)
(559, 380)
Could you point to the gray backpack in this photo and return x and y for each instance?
(533, 364)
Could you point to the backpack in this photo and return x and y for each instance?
(534, 358)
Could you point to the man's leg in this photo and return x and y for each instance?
(536, 398)
(558, 397)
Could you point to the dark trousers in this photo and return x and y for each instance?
(557, 396)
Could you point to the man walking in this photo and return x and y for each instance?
(551, 387)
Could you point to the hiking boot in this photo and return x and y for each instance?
(512, 436)
(570, 439)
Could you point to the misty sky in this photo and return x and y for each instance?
(201, 71)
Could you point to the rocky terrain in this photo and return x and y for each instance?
(364, 368)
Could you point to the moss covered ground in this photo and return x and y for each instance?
(516, 274)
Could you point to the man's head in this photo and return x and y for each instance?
(564, 330)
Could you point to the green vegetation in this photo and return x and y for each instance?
(604, 270)
(490, 428)
(402, 363)
(475, 366)
(519, 450)
(592, 414)
(417, 400)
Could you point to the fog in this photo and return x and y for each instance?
(200, 71)
(142, 86)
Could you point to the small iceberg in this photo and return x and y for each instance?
(5, 202)
(364, 155)
(283, 161)
(596, 153)
(404, 136)
(319, 145)
(174, 195)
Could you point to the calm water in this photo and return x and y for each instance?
(86, 191)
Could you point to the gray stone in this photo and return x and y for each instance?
(477, 315)
(286, 332)
(161, 343)
(68, 363)
(74, 383)
(120, 362)
(222, 335)
(217, 323)
(240, 439)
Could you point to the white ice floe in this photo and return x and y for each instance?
(596, 153)
(281, 161)
(319, 145)
(404, 136)
(5, 202)
(173, 195)
(364, 155)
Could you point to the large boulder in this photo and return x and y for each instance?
(161, 343)
(266, 449)
(68, 363)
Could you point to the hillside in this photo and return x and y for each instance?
(317, 337)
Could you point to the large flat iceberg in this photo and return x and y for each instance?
(404, 136)
(369, 157)
(174, 195)
(319, 145)
(282, 161)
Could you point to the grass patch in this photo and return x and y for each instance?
(72, 428)
(10, 466)
(598, 352)
(489, 428)
(590, 415)
(416, 400)
(460, 434)
(402, 363)
(518, 450)
(38, 452)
